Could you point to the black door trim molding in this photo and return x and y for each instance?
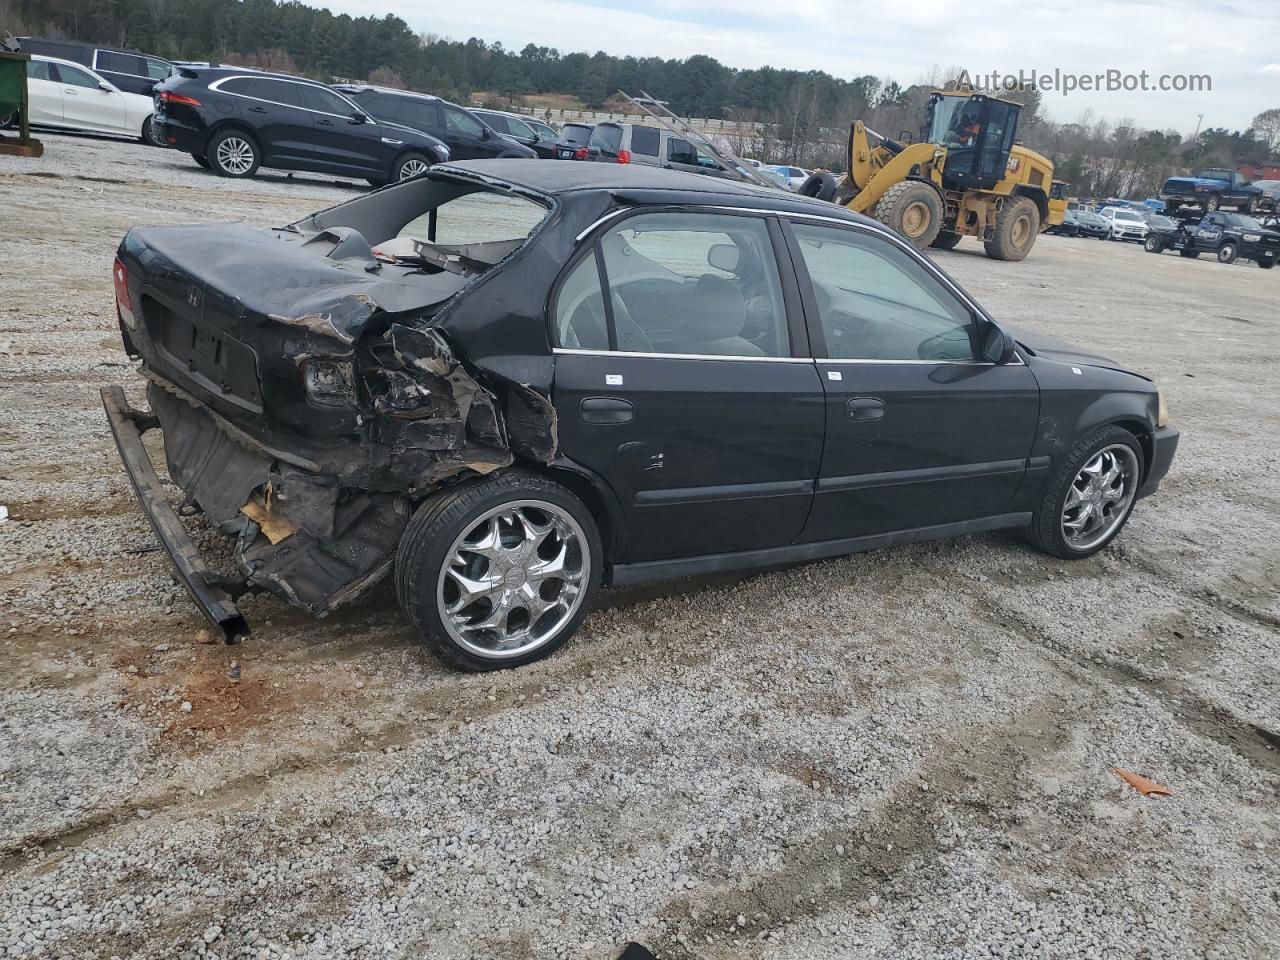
(723, 491)
(893, 478)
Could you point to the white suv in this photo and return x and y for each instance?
(1125, 224)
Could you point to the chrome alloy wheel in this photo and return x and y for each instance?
(1100, 497)
(413, 167)
(513, 579)
(235, 155)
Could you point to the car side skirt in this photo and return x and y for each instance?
(625, 574)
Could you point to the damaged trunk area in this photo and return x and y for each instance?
(306, 383)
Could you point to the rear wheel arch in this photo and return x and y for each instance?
(593, 491)
(233, 124)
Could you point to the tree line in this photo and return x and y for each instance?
(802, 116)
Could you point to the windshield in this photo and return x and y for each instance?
(1214, 174)
(1128, 215)
(1249, 223)
(955, 121)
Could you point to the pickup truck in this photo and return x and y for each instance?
(1226, 235)
(1210, 189)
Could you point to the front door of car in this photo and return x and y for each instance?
(44, 93)
(467, 137)
(921, 430)
(682, 387)
(89, 104)
(1208, 235)
(343, 143)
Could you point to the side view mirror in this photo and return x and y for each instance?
(359, 117)
(998, 347)
(486, 134)
(104, 88)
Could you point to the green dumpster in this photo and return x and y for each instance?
(13, 107)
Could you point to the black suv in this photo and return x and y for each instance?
(129, 70)
(232, 121)
(467, 136)
(1227, 236)
(616, 374)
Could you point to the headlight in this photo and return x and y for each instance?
(1253, 237)
(329, 383)
(1162, 411)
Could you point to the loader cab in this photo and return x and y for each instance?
(977, 132)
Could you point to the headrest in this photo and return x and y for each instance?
(723, 256)
(717, 310)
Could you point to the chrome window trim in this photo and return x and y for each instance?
(578, 351)
(844, 361)
(217, 85)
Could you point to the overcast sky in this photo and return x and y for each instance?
(1237, 44)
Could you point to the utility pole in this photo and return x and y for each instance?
(1199, 120)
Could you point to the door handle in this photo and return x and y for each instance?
(257, 109)
(864, 408)
(606, 410)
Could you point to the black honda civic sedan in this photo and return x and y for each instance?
(507, 382)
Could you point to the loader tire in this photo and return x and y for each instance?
(1017, 224)
(912, 209)
(945, 240)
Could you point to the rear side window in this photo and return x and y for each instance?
(122, 63)
(275, 91)
(38, 70)
(235, 85)
(876, 303)
(420, 114)
(607, 138)
(645, 140)
(683, 283)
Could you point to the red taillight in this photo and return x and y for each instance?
(124, 307)
(580, 153)
(167, 97)
(624, 156)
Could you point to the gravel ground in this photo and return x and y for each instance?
(905, 753)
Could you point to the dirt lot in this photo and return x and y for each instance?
(900, 754)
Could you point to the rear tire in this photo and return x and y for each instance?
(1017, 224)
(945, 240)
(1189, 254)
(409, 165)
(233, 153)
(514, 542)
(149, 135)
(1227, 253)
(1108, 504)
(913, 210)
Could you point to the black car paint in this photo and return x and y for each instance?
(1213, 231)
(506, 125)
(770, 470)
(290, 137)
(432, 122)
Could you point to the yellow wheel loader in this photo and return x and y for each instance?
(966, 178)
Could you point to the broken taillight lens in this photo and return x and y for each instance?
(167, 97)
(624, 156)
(124, 307)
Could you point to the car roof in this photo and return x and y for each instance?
(223, 71)
(556, 178)
(370, 87)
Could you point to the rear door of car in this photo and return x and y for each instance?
(44, 93)
(920, 430)
(689, 388)
(282, 125)
(127, 71)
(87, 106)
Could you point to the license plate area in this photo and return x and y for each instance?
(204, 355)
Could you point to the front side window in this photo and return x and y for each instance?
(459, 122)
(325, 101)
(158, 70)
(679, 283)
(876, 303)
(75, 77)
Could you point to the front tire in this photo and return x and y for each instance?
(1017, 224)
(1227, 253)
(233, 153)
(1212, 204)
(1266, 264)
(1153, 245)
(913, 210)
(945, 240)
(500, 572)
(1089, 499)
(409, 165)
(1188, 253)
(202, 160)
